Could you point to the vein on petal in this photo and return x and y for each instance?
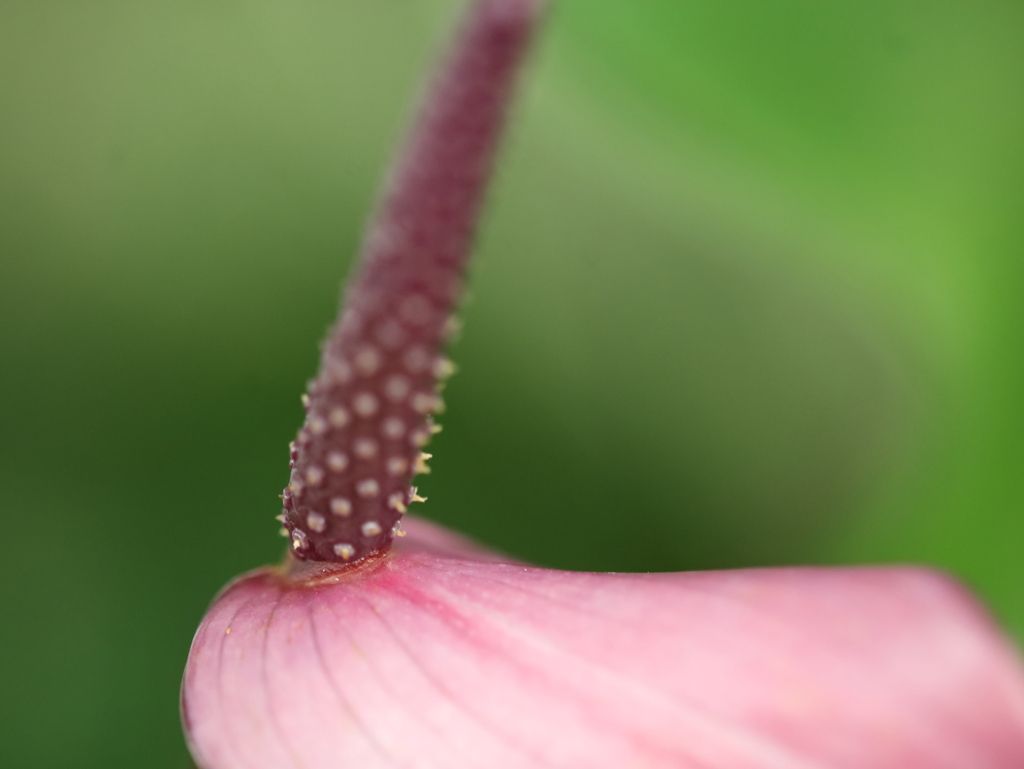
(378, 676)
(232, 738)
(924, 743)
(444, 691)
(271, 701)
(484, 641)
(761, 750)
(343, 702)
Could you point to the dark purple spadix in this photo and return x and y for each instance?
(370, 409)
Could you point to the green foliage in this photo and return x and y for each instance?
(749, 292)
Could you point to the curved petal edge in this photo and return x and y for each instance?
(441, 655)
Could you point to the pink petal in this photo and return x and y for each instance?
(440, 656)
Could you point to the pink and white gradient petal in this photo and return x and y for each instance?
(439, 655)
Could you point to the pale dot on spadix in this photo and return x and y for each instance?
(365, 448)
(338, 417)
(367, 361)
(341, 506)
(368, 488)
(343, 550)
(397, 388)
(365, 404)
(337, 462)
(417, 359)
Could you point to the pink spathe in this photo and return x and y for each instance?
(440, 655)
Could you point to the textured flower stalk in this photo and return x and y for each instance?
(370, 408)
(435, 653)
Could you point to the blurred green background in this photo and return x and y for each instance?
(749, 291)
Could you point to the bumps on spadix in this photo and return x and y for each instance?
(370, 409)
(355, 458)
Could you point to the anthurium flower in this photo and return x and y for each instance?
(362, 650)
